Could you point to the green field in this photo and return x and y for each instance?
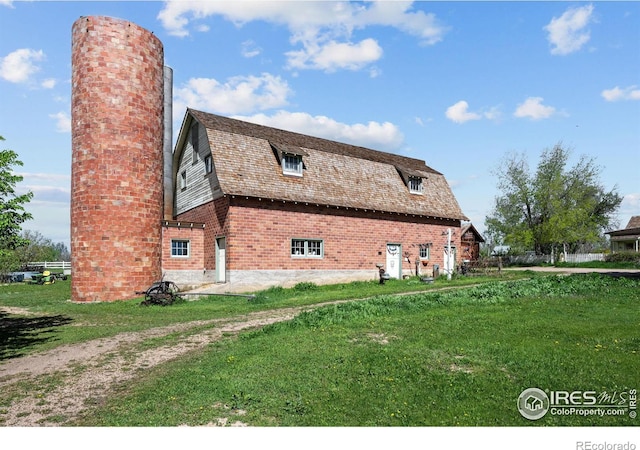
(441, 358)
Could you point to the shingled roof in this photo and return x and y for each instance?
(246, 159)
(632, 229)
(634, 222)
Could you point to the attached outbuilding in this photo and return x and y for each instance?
(255, 204)
(470, 242)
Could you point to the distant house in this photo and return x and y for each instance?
(255, 203)
(470, 242)
(627, 239)
(500, 250)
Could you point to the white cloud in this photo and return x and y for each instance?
(19, 65)
(250, 49)
(493, 113)
(8, 3)
(49, 194)
(380, 136)
(533, 108)
(241, 94)
(568, 33)
(398, 14)
(46, 177)
(49, 83)
(617, 94)
(63, 121)
(631, 202)
(332, 56)
(47, 188)
(459, 113)
(323, 29)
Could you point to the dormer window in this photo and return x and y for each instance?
(290, 158)
(292, 164)
(415, 185)
(413, 178)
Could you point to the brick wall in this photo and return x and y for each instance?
(214, 215)
(195, 236)
(259, 234)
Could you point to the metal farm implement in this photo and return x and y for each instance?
(160, 293)
(164, 293)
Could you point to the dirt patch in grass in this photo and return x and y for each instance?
(89, 371)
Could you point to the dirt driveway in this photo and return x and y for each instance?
(85, 373)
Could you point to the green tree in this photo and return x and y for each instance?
(12, 212)
(40, 248)
(554, 207)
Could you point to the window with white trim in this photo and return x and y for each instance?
(415, 185)
(183, 180)
(208, 164)
(424, 251)
(307, 248)
(292, 164)
(179, 248)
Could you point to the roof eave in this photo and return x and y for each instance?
(349, 208)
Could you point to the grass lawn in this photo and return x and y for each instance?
(53, 320)
(448, 358)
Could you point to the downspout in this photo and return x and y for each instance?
(168, 144)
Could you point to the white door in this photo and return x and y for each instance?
(394, 260)
(449, 260)
(221, 260)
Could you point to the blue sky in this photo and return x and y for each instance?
(458, 84)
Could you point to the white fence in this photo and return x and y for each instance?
(64, 265)
(582, 257)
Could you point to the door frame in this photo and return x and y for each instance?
(221, 259)
(450, 268)
(392, 259)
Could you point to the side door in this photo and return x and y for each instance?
(221, 260)
(394, 260)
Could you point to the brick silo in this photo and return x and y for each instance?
(117, 162)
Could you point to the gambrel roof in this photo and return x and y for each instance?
(247, 157)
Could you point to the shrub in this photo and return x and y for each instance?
(305, 286)
(633, 257)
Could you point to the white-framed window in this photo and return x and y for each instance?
(208, 164)
(424, 251)
(307, 248)
(415, 185)
(179, 248)
(183, 180)
(292, 164)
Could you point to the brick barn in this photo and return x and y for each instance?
(255, 204)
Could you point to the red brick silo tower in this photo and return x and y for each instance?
(117, 162)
